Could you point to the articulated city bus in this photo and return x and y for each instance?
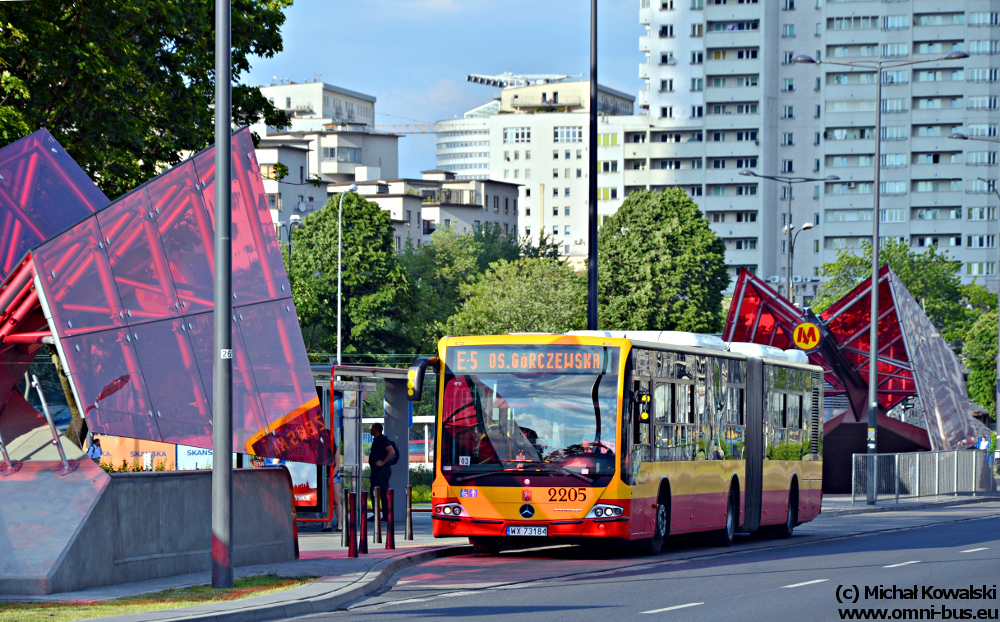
(632, 436)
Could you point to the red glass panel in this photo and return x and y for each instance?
(249, 284)
(40, 175)
(259, 214)
(18, 233)
(105, 371)
(248, 415)
(186, 235)
(78, 283)
(284, 380)
(174, 382)
(140, 267)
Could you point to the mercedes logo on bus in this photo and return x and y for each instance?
(527, 511)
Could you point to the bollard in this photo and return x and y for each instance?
(352, 542)
(377, 511)
(956, 472)
(408, 535)
(329, 526)
(897, 477)
(344, 518)
(390, 525)
(363, 532)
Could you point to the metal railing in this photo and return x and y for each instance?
(921, 474)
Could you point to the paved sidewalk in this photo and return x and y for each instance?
(840, 505)
(345, 580)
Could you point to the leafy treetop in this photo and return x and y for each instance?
(660, 266)
(128, 85)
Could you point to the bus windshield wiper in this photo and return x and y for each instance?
(465, 478)
(563, 469)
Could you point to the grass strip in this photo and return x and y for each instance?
(245, 587)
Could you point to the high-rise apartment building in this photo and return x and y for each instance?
(536, 136)
(723, 95)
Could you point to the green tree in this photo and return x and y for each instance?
(931, 276)
(376, 292)
(437, 271)
(528, 295)
(660, 266)
(980, 354)
(127, 85)
(494, 245)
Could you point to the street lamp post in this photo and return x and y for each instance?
(791, 256)
(293, 223)
(222, 359)
(340, 246)
(993, 185)
(789, 181)
(878, 66)
(592, 181)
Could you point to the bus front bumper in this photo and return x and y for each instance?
(617, 527)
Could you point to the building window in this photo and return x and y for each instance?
(567, 134)
(666, 112)
(788, 30)
(517, 135)
(697, 84)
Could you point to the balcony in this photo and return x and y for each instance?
(520, 102)
(452, 197)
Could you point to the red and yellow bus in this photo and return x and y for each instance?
(632, 436)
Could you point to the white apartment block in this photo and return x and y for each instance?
(294, 195)
(332, 140)
(723, 96)
(418, 207)
(536, 138)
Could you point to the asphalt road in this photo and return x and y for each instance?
(757, 579)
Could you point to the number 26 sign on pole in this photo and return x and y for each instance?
(806, 336)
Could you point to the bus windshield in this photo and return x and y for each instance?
(538, 406)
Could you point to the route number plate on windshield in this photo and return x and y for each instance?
(527, 531)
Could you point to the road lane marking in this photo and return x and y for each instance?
(982, 548)
(903, 564)
(673, 608)
(805, 583)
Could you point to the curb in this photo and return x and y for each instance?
(897, 507)
(371, 581)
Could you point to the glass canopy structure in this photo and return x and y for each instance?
(123, 291)
(914, 360)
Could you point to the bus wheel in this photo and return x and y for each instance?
(653, 546)
(785, 531)
(485, 545)
(728, 534)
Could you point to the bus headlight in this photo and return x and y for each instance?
(448, 509)
(603, 510)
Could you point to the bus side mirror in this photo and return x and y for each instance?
(415, 377)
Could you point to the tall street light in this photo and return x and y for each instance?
(340, 247)
(878, 66)
(993, 185)
(791, 255)
(222, 365)
(592, 181)
(789, 181)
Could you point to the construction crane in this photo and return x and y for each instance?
(507, 79)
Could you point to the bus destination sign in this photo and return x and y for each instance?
(533, 359)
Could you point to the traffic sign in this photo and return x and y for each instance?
(806, 336)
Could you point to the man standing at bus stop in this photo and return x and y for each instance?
(379, 458)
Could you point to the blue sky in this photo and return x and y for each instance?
(414, 55)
